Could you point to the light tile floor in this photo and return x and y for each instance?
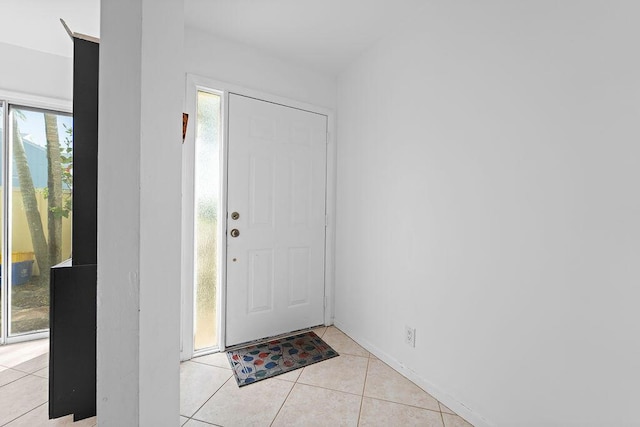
(355, 389)
(24, 387)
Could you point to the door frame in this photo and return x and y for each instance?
(22, 100)
(194, 83)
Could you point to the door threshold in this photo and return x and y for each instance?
(271, 338)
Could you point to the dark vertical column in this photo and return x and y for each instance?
(85, 152)
(72, 356)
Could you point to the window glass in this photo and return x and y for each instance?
(207, 186)
(41, 210)
(2, 274)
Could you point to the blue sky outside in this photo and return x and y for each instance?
(33, 130)
(32, 127)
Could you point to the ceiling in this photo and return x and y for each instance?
(35, 24)
(323, 35)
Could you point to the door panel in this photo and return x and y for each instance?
(260, 283)
(276, 183)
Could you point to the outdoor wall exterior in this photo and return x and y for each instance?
(488, 170)
(209, 56)
(20, 235)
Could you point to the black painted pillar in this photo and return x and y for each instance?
(85, 152)
(72, 355)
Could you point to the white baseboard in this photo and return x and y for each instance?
(456, 406)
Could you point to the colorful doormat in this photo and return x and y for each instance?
(260, 361)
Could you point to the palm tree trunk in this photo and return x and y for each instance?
(30, 204)
(54, 185)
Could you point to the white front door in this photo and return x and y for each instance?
(276, 205)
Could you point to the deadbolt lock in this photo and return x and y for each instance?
(235, 232)
(235, 215)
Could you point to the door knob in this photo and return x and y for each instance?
(235, 232)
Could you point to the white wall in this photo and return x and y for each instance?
(139, 184)
(249, 68)
(230, 62)
(160, 210)
(488, 172)
(32, 72)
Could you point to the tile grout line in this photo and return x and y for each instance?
(209, 398)
(202, 421)
(330, 389)
(390, 401)
(349, 354)
(207, 364)
(17, 379)
(285, 399)
(405, 404)
(441, 414)
(370, 356)
(29, 373)
(376, 398)
(22, 415)
(364, 386)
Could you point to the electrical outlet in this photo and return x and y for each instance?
(410, 335)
